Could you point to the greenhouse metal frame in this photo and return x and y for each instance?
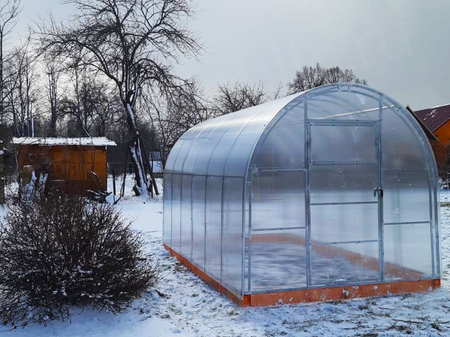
(331, 193)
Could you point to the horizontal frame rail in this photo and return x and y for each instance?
(275, 229)
(281, 170)
(352, 162)
(344, 242)
(343, 203)
(204, 175)
(344, 123)
(406, 223)
(404, 172)
(353, 113)
(332, 285)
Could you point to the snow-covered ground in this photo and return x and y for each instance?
(185, 306)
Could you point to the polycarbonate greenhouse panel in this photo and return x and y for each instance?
(176, 212)
(343, 183)
(197, 146)
(186, 217)
(280, 263)
(213, 224)
(343, 105)
(183, 154)
(278, 200)
(273, 152)
(238, 160)
(344, 222)
(167, 213)
(403, 146)
(406, 197)
(198, 220)
(173, 155)
(323, 195)
(216, 131)
(219, 157)
(407, 251)
(232, 243)
(343, 143)
(344, 263)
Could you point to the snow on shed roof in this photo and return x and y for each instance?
(52, 141)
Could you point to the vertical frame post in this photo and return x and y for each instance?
(380, 194)
(250, 197)
(221, 228)
(431, 197)
(192, 217)
(171, 211)
(437, 227)
(307, 151)
(243, 256)
(181, 212)
(204, 222)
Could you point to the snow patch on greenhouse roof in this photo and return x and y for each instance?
(54, 141)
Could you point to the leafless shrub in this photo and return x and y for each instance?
(58, 251)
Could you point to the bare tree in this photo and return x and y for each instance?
(231, 98)
(20, 94)
(92, 109)
(9, 11)
(132, 43)
(312, 77)
(173, 115)
(79, 107)
(53, 75)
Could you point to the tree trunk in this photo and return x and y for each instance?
(2, 82)
(138, 156)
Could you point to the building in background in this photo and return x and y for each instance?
(437, 121)
(72, 165)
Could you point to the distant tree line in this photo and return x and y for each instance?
(108, 72)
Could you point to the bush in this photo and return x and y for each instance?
(58, 251)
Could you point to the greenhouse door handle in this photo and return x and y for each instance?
(378, 190)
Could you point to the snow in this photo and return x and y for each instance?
(51, 141)
(183, 305)
(432, 114)
(157, 166)
(439, 106)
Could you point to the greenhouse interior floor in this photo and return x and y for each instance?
(274, 264)
(278, 266)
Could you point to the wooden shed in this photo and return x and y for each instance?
(73, 165)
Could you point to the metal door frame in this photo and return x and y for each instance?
(379, 185)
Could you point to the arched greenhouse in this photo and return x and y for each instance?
(327, 194)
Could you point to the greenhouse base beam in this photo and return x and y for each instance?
(311, 295)
(340, 293)
(207, 279)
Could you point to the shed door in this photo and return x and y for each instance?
(344, 199)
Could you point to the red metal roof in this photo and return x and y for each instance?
(435, 117)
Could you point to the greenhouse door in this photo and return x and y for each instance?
(344, 202)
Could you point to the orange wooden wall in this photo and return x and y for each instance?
(443, 134)
(69, 167)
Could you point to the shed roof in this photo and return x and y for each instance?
(53, 141)
(430, 135)
(434, 117)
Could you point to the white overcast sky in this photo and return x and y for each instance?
(401, 47)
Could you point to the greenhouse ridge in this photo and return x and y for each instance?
(326, 194)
